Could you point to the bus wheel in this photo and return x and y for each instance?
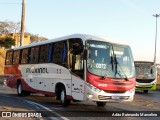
(65, 102)
(145, 91)
(20, 90)
(101, 104)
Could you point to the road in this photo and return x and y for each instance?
(49, 108)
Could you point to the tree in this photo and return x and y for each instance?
(35, 38)
(7, 42)
(9, 27)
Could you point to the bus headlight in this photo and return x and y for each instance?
(95, 89)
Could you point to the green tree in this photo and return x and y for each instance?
(7, 42)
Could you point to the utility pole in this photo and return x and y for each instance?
(156, 15)
(23, 21)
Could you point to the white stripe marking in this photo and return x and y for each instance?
(39, 105)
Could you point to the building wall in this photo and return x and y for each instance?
(2, 58)
(16, 36)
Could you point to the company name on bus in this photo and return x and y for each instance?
(36, 70)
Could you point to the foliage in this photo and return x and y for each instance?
(7, 42)
(35, 38)
(7, 27)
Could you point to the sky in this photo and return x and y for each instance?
(124, 21)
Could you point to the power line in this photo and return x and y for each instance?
(11, 3)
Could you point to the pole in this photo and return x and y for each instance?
(156, 15)
(22, 22)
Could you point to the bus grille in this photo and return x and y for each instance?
(145, 80)
(101, 97)
(115, 91)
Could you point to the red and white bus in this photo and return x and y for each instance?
(77, 67)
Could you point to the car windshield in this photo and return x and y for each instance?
(145, 71)
(110, 60)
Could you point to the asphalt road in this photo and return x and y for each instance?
(143, 104)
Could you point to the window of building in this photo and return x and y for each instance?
(9, 58)
(34, 55)
(16, 57)
(25, 56)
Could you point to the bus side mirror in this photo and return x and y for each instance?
(77, 48)
(85, 54)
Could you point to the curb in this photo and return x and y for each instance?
(158, 87)
(1, 79)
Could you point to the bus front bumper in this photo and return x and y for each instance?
(145, 86)
(105, 96)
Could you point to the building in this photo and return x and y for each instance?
(16, 36)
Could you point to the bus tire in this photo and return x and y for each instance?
(20, 90)
(46, 95)
(101, 104)
(145, 91)
(65, 102)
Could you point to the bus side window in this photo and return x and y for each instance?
(9, 58)
(78, 62)
(58, 52)
(64, 55)
(50, 47)
(25, 56)
(43, 54)
(16, 57)
(33, 56)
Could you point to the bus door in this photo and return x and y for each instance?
(77, 78)
(77, 69)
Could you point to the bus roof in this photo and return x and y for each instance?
(84, 37)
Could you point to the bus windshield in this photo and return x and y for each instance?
(145, 71)
(110, 60)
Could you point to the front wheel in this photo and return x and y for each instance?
(20, 90)
(101, 104)
(145, 91)
(65, 102)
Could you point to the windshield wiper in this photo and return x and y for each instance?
(115, 62)
(125, 76)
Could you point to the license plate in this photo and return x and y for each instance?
(115, 97)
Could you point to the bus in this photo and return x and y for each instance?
(146, 75)
(76, 67)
